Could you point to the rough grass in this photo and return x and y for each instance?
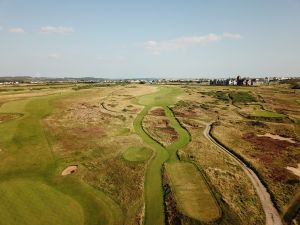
(86, 134)
(9, 116)
(137, 154)
(268, 156)
(192, 194)
(158, 126)
(220, 95)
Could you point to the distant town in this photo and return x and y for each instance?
(237, 81)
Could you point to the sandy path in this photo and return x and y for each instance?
(272, 215)
(295, 170)
(277, 137)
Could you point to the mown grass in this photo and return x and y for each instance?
(29, 183)
(192, 194)
(27, 202)
(137, 154)
(269, 114)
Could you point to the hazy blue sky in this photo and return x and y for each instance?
(169, 38)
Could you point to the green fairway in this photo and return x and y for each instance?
(136, 154)
(269, 114)
(183, 139)
(29, 202)
(192, 193)
(29, 183)
(154, 213)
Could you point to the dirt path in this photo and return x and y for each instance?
(272, 215)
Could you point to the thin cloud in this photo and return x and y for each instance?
(16, 30)
(56, 30)
(232, 36)
(118, 59)
(53, 56)
(1, 28)
(156, 47)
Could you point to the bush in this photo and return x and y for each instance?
(242, 97)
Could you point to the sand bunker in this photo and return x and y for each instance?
(294, 170)
(277, 137)
(69, 170)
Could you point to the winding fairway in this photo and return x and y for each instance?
(154, 213)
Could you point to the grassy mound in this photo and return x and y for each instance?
(192, 194)
(30, 202)
(242, 97)
(137, 154)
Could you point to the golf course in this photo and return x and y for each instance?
(147, 154)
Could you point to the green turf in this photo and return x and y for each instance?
(269, 114)
(29, 202)
(137, 154)
(28, 174)
(192, 194)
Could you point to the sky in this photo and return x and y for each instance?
(153, 38)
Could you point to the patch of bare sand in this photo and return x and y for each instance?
(277, 137)
(294, 170)
(69, 170)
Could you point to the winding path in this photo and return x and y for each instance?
(271, 213)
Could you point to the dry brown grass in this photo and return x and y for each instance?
(229, 181)
(270, 157)
(157, 125)
(92, 137)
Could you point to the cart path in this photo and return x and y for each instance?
(271, 213)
